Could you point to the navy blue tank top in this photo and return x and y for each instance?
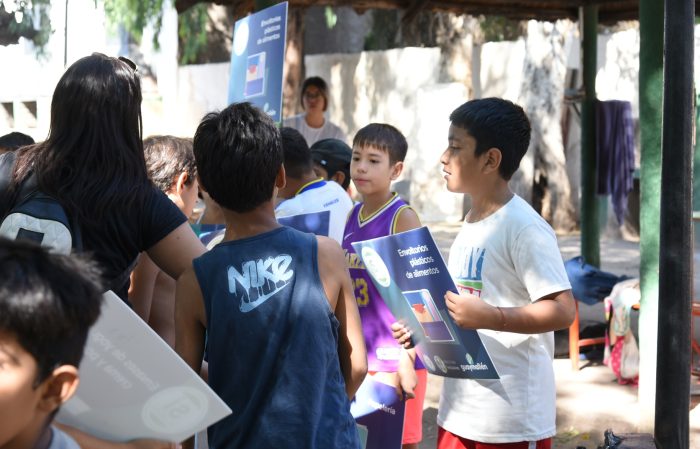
(272, 344)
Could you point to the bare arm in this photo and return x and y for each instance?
(86, 441)
(351, 345)
(407, 220)
(190, 319)
(551, 312)
(175, 252)
(407, 378)
(143, 281)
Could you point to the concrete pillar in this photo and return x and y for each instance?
(651, 23)
(590, 222)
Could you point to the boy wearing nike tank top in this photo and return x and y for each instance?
(377, 160)
(284, 342)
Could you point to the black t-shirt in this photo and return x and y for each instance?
(125, 232)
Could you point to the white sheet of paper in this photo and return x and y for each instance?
(133, 385)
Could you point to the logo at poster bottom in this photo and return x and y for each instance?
(440, 364)
(470, 359)
(428, 363)
(173, 408)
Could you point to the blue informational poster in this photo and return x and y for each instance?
(257, 60)
(412, 278)
(379, 414)
(316, 222)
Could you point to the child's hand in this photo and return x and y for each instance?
(408, 380)
(402, 334)
(469, 311)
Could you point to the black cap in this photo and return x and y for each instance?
(334, 155)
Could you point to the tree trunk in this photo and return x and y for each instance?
(293, 62)
(542, 96)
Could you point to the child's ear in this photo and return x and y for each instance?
(281, 179)
(58, 387)
(181, 182)
(396, 170)
(493, 159)
(338, 177)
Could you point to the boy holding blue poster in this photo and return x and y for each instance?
(284, 341)
(377, 160)
(512, 283)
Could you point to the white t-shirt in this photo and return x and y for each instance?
(509, 259)
(312, 135)
(329, 196)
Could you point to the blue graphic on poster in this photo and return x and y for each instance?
(379, 415)
(257, 60)
(316, 222)
(412, 278)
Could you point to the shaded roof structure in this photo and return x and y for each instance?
(549, 10)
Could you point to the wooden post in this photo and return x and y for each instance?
(590, 224)
(651, 31)
(676, 260)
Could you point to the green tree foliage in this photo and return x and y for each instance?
(25, 18)
(135, 15)
(30, 19)
(192, 30)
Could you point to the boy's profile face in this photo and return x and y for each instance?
(19, 398)
(462, 169)
(372, 171)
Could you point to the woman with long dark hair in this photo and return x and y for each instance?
(93, 163)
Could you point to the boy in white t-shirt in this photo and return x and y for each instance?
(513, 288)
(306, 192)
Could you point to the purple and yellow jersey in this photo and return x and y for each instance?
(382, 350)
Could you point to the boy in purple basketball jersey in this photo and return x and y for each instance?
(377, 160)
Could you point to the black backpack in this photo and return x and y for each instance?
(35, 215)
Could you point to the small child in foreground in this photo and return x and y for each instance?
(47, 305)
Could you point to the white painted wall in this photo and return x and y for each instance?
(28, 78)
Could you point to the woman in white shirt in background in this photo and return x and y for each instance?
(312, 124)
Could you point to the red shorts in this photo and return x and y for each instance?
(413, 419)
(448, 440)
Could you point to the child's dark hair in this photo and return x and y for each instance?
(168, 157)
(14, 140)
(318, 83)
(48, 303)
(496, 123)
(385, 137)
(238, 153)
(334, 156)
(297, 156)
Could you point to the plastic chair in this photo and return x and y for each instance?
(575, 343)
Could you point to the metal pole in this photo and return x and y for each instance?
(675, 261)
(651, 59)
(590, 221)
(65, 39)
